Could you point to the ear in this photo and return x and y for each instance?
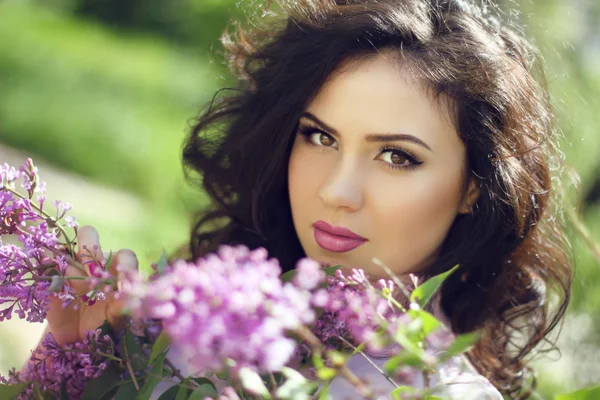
(470, 196)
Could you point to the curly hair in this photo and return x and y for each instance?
(514, 277)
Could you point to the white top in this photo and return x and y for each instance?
(456, 379)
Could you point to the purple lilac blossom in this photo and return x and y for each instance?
(227, 306)
(352, 309)
(72, 365)
(25, 288)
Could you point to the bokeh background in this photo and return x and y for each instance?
(101, 93)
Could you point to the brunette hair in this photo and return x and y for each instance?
(515, 273)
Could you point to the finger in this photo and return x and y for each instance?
(89, 251)
(79, 286)
(123, 260)
(115, 312)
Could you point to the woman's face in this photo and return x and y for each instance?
(377, 156)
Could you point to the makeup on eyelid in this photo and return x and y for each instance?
(308, 130)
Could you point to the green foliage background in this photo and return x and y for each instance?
(104, 90)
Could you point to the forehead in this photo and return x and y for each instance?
(378, 95)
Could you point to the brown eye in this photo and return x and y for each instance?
(398, 159)
(395, 157)
(318, 138)
(325, 140)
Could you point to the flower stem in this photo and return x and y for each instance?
(45, 214)
(177, 373)
(129, 367)
(362, 388)
(273, 381)
(364, 355)
(110, 357)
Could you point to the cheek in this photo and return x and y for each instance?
(305, 174)
(413, 216)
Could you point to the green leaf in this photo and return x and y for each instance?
(409, 344)
(330, 271)
(126, 392)
(253, 382)
(63, 390)
(403, 358)
(105, 385)
(133, 351)
(292, 374)
(296, 390)
(460, 345)
(400, 390)
(288, 276)
(11, 391)
(205, 386)
(162, 264)
(108, 261)
(201, 393)
(317, 360)
(278, 377)
(37, 391)
(326, 373)
(432, 397)
(161, 344)
(296, 386)
(429, 323)
(106, 329)
(153, 378)
(424, 292)
(173, 392)
(337, 358)
(589, 393)
(324, 393)
(51, 395)
(183, 390)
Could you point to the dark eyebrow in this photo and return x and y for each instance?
(373, 137)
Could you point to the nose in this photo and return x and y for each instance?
(343, 189)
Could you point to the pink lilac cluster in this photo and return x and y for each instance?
(72, 365)
(229, 309)
(352, 309)
(25, 285)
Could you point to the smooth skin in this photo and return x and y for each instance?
(402, 198)
(69, 325)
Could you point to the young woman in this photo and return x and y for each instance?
(418, 132)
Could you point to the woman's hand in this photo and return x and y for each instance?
(69, 324)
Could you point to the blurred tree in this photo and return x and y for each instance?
(188, 22)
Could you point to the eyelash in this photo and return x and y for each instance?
(308, 131)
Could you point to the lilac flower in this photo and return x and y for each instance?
(308, 274)
(227, 306)
(26, 269)
(73, 364)
(71, 222)
(352, 309)
(17, 295)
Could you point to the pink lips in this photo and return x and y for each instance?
(336, 239)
